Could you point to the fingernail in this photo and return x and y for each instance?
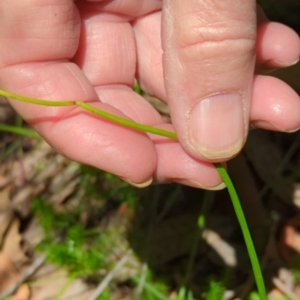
(196, 184)
(217, 127)
(139, 185)
(281, 129)
(286, 64)
(272, 126)
(293, 130)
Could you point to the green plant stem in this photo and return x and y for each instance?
(144, 128)
(157, 294)
(35, 101)
(245, 230)
(98, 112)
(19, 130)
(206, 205)
(126, 122)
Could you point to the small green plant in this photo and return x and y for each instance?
(215, 291)
(151, 289)
(185, 294)
(106, 295)
(68, 244)
(140, 127)
(296, 273)
(254, 296)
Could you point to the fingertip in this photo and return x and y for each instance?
(275, 105)
(176, 165)
(277, 45)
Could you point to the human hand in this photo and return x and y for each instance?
(211, 51)
(93, 50)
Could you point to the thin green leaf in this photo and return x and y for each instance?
(35, 101)
(144, 128)
(126, 122)
(151, 289)
(245, 230)
(19, 130)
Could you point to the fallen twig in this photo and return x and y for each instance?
(28, 273)
(108, 278)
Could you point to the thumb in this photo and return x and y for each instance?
(209, 57)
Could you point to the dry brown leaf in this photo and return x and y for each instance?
(52, 285)
(292, 238)
(296, 194)
(5, 220)
(6, 111)
(5, 199)
(297, 290)
(8, 276)
(63, 194)
(23, 293)
(8, 272)
(275, 294)
(34, 234)
(282, 287)
(27, 192)
(44, 272)
(6, 212)
(17, 171)
(12, 244)
(220, 246)
(289, 242)
(287, 277)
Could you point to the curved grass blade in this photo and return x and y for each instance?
(144, 128)
(245, 230)
(19, 130)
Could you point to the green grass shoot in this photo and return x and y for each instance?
(140, 127)
(19, 130)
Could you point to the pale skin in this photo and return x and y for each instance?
(180, 51)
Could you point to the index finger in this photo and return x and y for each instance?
(40, 37)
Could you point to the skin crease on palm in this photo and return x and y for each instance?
(180, 51)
